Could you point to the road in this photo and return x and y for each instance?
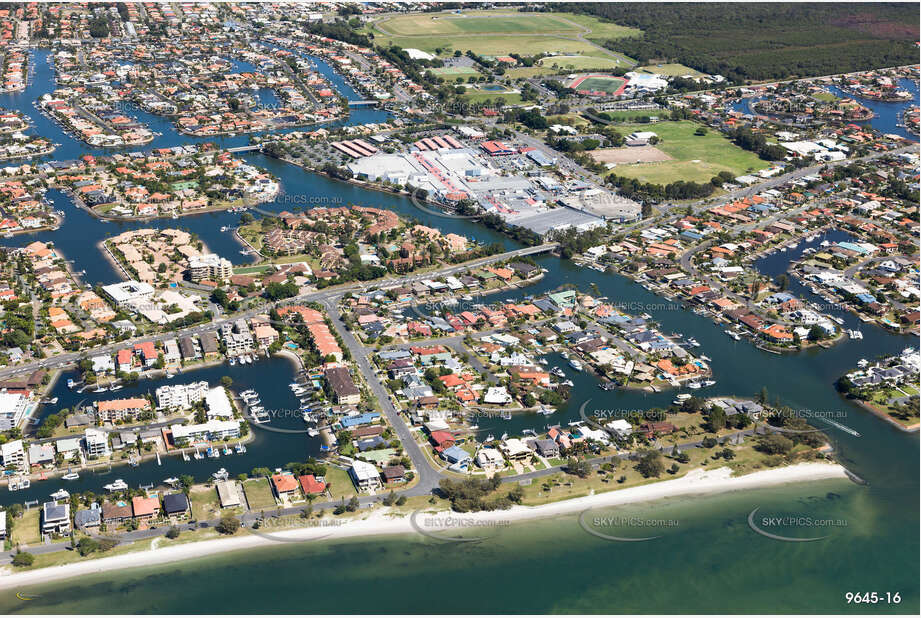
(428, 476)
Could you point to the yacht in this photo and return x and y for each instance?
(863, 363)
(680, 399)
(70, 476)
(707, 383)
(564, 354)
(61, 494)
(17, 484)
(558, 372)
(694, 384)
(575, 364)
(117, 485)
(221, 475)
(171, 481)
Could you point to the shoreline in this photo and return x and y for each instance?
(380, 523)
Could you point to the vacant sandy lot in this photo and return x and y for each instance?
(629, 154)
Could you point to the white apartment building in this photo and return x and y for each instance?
(210, 266)
(212, 430)
(97, 443)
(181, 396)
(13, 454)
(13, 408)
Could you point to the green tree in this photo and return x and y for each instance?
(650, 463)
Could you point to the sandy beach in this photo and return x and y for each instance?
(381, 522)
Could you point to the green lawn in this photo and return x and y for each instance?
(580, 63)
(478, 96)
(477, 22)
(694, 158)
(27, 529)
(626, 115)
(670, 69)
(824, 96)
(259, 494)
(452, 73)
(251, 270)
(340, 483)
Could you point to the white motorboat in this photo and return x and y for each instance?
(313, 433)
(221, 475)
(117, 485)
(171, 480)
(61, 494)
(705, 358)
(575, 364)
(707, 383)
(694, 384)
(70, 476)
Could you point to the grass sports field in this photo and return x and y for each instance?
(608, 84)
(500, 32)
(695, 158)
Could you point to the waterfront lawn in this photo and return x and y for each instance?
(259, 494)
(205, 503)
(339, 483)
(27, 529)
(695, 158)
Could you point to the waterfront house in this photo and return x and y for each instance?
(176, 505)
(310, 485)
(144, 508)
(88, 519)
(456, 456)
(55, 518)
(116, 513)
(365, 476)
(284, 484)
